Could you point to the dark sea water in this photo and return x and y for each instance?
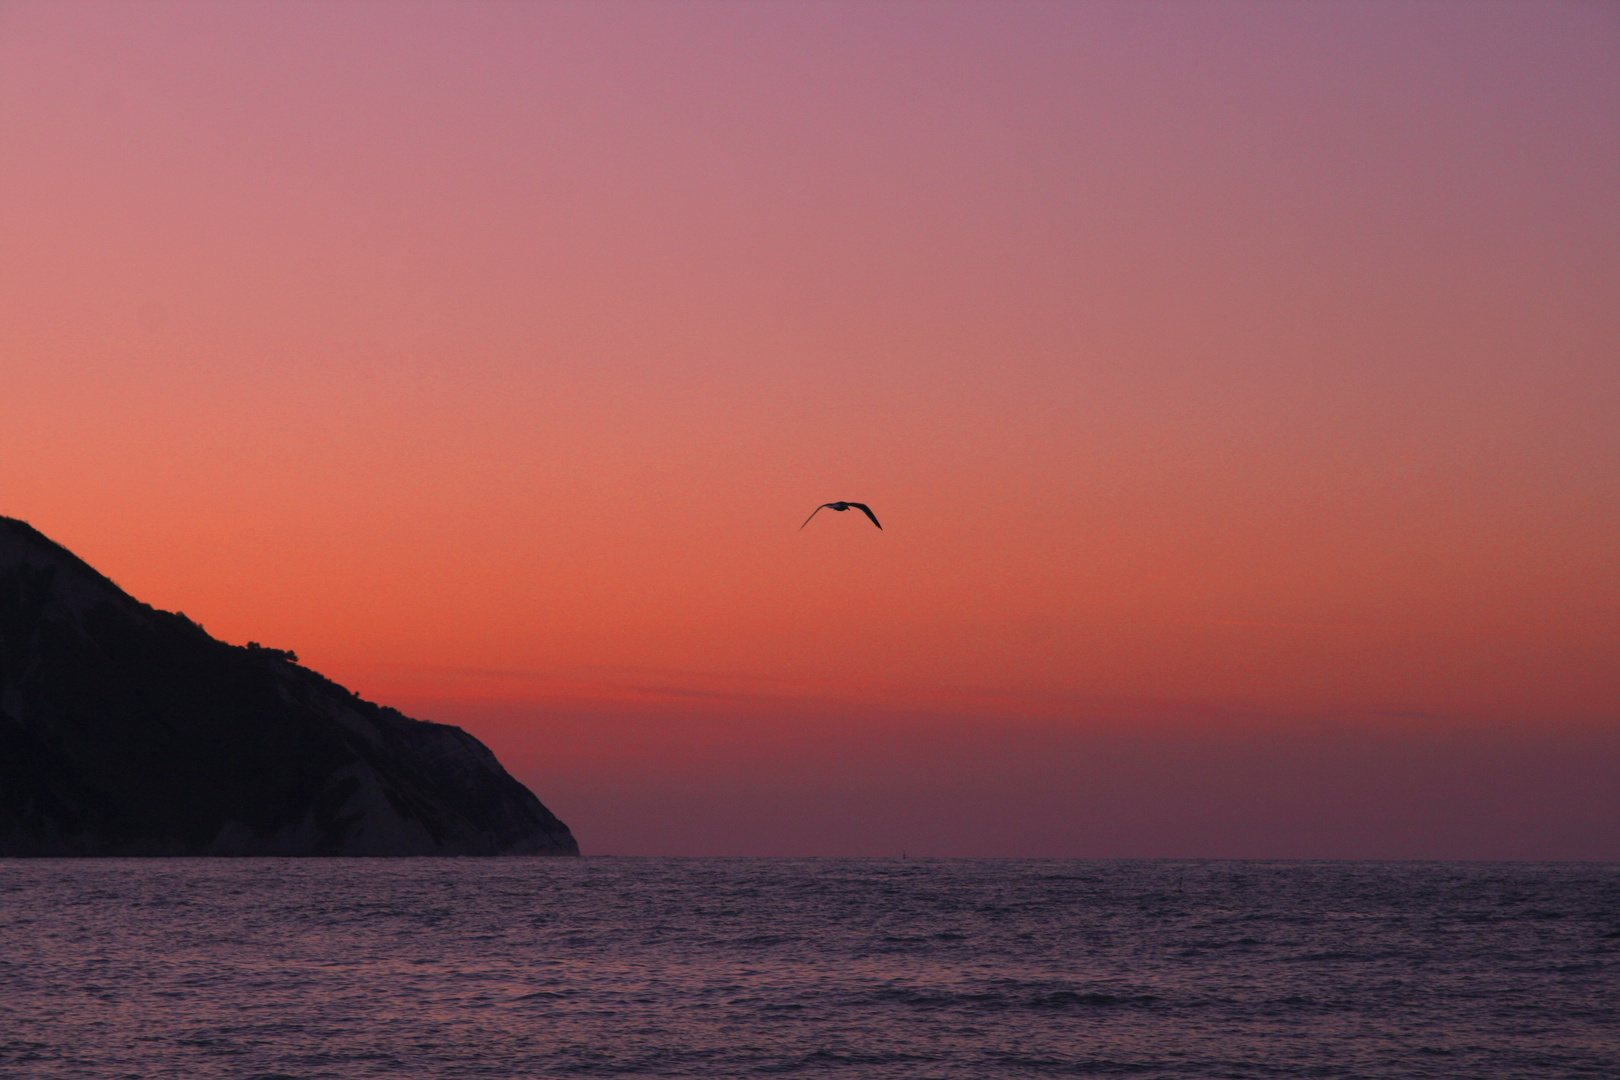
(825, 968)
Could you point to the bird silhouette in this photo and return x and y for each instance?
(841, 507)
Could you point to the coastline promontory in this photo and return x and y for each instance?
(125, 730)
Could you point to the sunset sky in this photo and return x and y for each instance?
(1238, 385)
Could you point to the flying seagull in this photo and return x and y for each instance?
(841, 507)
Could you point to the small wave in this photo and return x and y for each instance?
(918, 998)
(1066, 999)
(820, 1059)
(1082, 1067)
(18, 1050)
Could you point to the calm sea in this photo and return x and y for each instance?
(827, 968)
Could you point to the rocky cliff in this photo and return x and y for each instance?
(125, 730)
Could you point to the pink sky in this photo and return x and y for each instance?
(1238, 385)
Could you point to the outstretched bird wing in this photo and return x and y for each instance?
(814, 512)
(862, 507)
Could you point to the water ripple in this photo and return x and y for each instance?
(719, 968)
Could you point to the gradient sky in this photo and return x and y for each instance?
(1238, 385)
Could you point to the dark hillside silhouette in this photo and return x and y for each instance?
(128, 730)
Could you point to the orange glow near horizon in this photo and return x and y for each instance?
(1208, 367)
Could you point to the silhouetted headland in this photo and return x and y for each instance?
(125, 730)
